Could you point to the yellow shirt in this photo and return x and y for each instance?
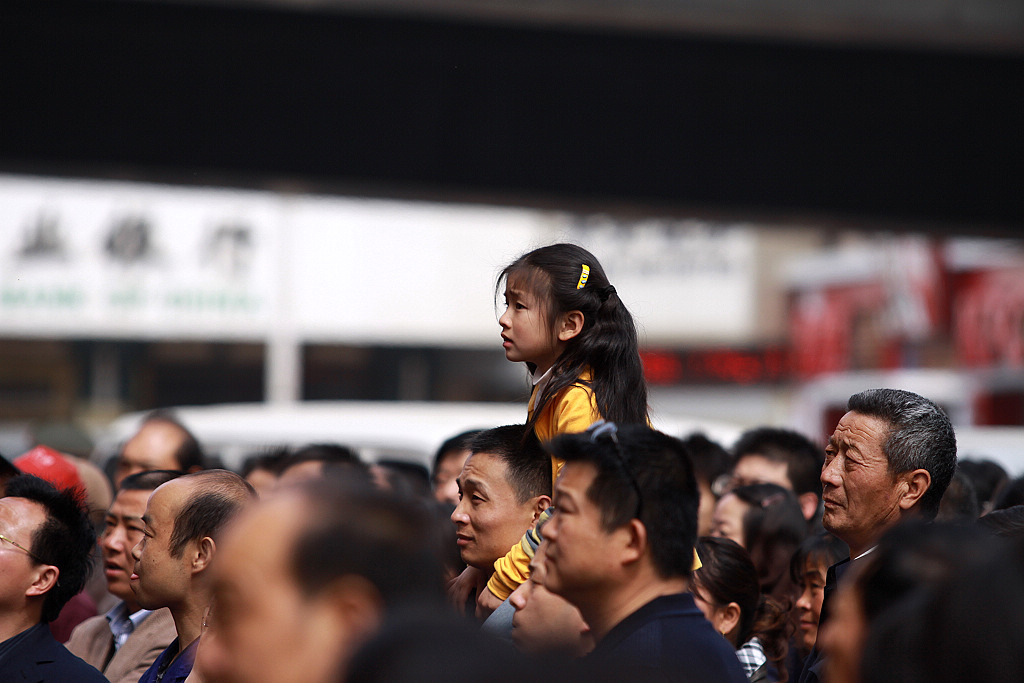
(571, 410)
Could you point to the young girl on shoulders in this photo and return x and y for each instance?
(565, 321)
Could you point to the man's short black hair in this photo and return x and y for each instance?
(528, 466)
(65, 539)
(661, 468)
(189, 453)
(147, 481)
(456, 444)
(920, 437)
(353, 529)
(803, 459)
(710, 460)
(274, 461)
(209, 506)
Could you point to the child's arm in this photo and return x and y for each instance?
(514, 568)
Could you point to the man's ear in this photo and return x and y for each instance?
(571, 325)
(916, 484)
(540, 504)
(202, 554)
(635, 540)
(342, 616)
(355, 604)
(44, 580)
(809, 503)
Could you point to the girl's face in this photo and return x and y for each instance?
(727, 521)
(808, 605)
(525, 332)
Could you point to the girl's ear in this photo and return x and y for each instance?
(570, 325)
(729, 620)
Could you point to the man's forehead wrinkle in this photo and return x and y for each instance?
(473, 482)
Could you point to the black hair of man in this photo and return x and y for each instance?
(274, 461)
(355, 530)
(456, 444)
(660, 467)
(7, 469)
(65, 539)
(330, 454)
(528, 467)
(803, 459)
(1011, 495)
(988, 478)
(710, 459)
(189, 454)
(147, 481)
(1008, 522)
(960, 501)
(920, 437)
(216, 497)
(7, 472)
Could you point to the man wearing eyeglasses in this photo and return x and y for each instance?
(125, 641)
(45, 545)
(620, 548)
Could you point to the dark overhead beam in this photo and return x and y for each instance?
(505, 110)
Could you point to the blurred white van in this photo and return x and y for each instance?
(396, 430)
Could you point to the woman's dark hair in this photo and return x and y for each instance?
(773, 527)
(607, 345)
(822, 548)
(727, 574)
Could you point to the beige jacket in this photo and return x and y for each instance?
(92, 641)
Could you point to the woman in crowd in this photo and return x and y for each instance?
(727, 591)
(766, 520)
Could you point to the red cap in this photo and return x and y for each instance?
(48, 464)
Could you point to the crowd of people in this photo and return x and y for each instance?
(582, 544)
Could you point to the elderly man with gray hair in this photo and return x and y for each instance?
(891, 457)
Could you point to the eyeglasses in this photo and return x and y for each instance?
(603, 428)
(22, 548)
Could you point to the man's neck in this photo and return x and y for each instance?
(606, 613)
(14, 623)
(188, 621)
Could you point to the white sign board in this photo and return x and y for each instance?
(129, 260)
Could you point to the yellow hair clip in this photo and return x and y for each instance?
(584, 274)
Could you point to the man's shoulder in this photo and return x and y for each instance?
(88, 630)
(42, 658)
(91, 640)
(669, 637)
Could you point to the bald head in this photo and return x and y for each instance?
(207, 500)
(162, 443)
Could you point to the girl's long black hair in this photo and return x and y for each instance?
(606, 346)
